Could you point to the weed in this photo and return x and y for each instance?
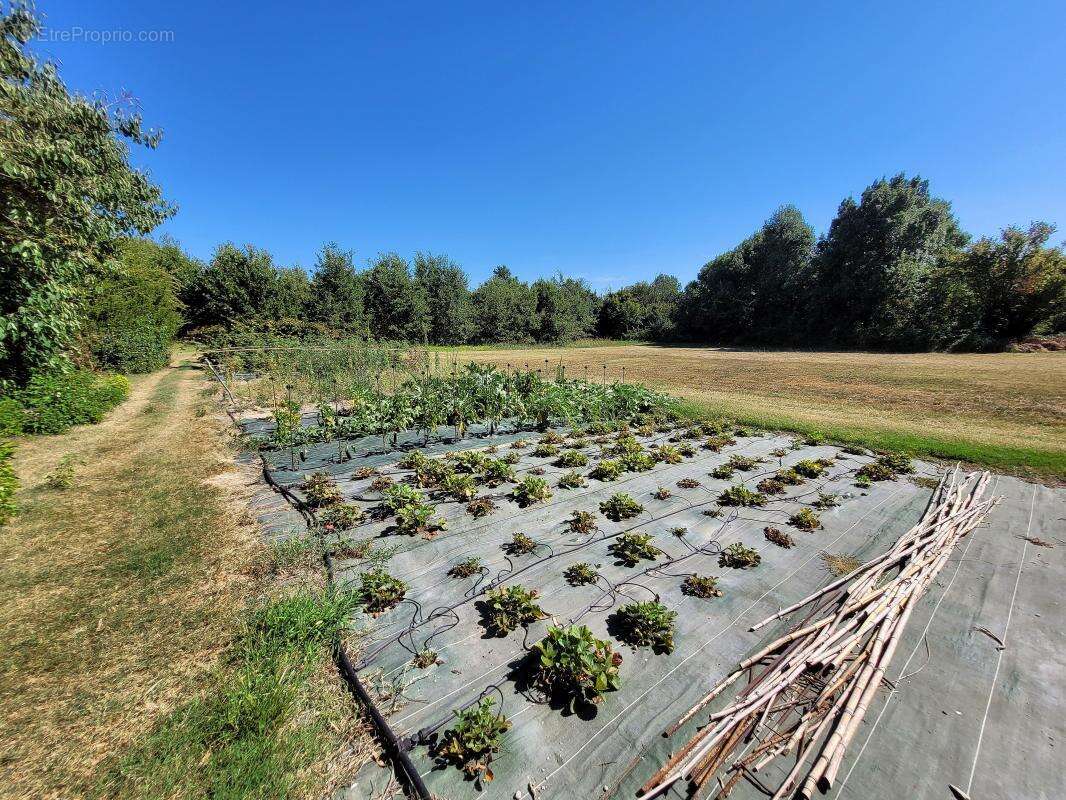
(853, 450)
(705, 586)
(572, 458)
(507, 608)
(293, 553)
(649, 624)
(606, 470)
(466, 568)
(778, 537)
(740, 495)
(863, 481)
(840, 564)
(63, 476)
(519, 545)
(572, 480)
(531, 490)
(739, 557)
(580, 574)
(481, 507)
(924, 482)
(471, 742)
(620, 506)
(582, 522)
(632, 548)
(379, 591)
(688, 483)
(805, 519)
(349, 550)
(570, 664)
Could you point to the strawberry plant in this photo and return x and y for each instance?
(742, 463)
(481, 507)
(722, 472)
(379, 591)
(668, 455)
(531, 490)
(688, 483)
(496, 471)
(620, 506)
(778, 537)
(738, 556)
(705, 586)
(825, 501)
(580, 574)
(380, 484)
(341, 517)
(662, 493)
(572, 458)
(571, 665)
(519, 545)
(572, 480)
(740, 495)
(417, 518)
(507, 608)
(805, 519)
(607, 470)
(473, 740)
(771, 486)
(320, 490)
(362, 473)
(466, 568)
(637, 462)
(545, 450)
(632, 548)
(686, 450)
(397, 495)
(459, 486)
(424, 659)
(582, 522)
(649, 624)
(811, 469)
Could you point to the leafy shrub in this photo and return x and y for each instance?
(466, 568)
(649, 624)
(572, 665)
(379, 591)
(341, 517)
(54, 402)
(805, 519)
(572, 458)
(12, 417)
(582, 522)
(481, 507)
(688, 483)
(705, 586)
(607, 470)
(739, 557)
(740, 495)
(507, 608)
(471, 742)
(321, 490)
(572, 480)
(632, 548)
(8, 482)
(580, 574)
(620, 506)
(778, 537)
(531, 490)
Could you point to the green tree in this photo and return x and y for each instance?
(67, 196)
(505, 309)
(337, 291)
(641, 311)
(442, 284)
(566, 309)
(875, 266)
(239, 285)
(395, 306)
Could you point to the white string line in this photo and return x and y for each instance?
(917, 646)
(709, 641)
(1003, 639)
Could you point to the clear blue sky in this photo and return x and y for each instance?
(610, 141)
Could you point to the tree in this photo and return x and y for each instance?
(442, 283)
(337, 291)
(395, 306)
(239, 285)
(875, 265)
(505, 309)
(641, 311)
(566, 309)
(67, 196)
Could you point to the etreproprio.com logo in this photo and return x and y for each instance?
(102, 36)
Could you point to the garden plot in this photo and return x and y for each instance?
(435, 643)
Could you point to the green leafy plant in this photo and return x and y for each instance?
(481, 507)
(686, 450)
(552, 437)
(620, 506)
(778, 537)
(473, 740)
(572, 480)
(771, 486)
(688, 483)
(742, 463)
(572, 458)
(321, 490)
(496, 471)
(341, 517)
(572, 665)
(805, 519)
(740, 495)
(582, 522)
(357, 549)
(739, 557)
(459, 486)
(466, 568)
(722, 472)
(679, 532)
(580, 574)
(716, 443)
(397, 495)
(545, 450)
(811, 469)
(507, 608)
(417, 518)
(512, 458)
(668, 455)
(705, 586)
(789, 477)
(863, 481)
(649, 624)
(607, 470)
(825, 501)
(531, 490)
(637, 462)
(62, 477)
(520, 545)
(469, 461)
(379, 591)
(632, 548)
(714, 513)
(519, 444)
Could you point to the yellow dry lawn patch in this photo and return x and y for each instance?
(1004, 409)
(118, 595)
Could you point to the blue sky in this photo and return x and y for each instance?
(610, 141)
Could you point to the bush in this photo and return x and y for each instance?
(139, 348)
(12, 417)
(8, 482)
(57, 401)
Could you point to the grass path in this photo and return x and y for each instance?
(121, 597)
(1002, 410)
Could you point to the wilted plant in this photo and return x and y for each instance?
(805, 519)
(705, 586)
(649, 624)
(572, 480)
(321, 490)
(362, 473)
(740, 495)
(341, 517)
(714, 513)
(632, 548)
(572, 458)
(536, 470)
(507, 608)
(519, 545)
(662, 493)
(572, 665)
(582, 522)
(379, 591)
(381, 483)
(739, 557)
(688, 483)
(771, 486)
(352, 550)
(481, 507)
(840, 564)
(606, 470)
(789, 477)
(580, 574)
(716, 443)
(780, 452)
(512, 458)
(552, 437)
(531, 490)
(620, 506)
(466, 567)
(687, 450)
(519, 444)
(778, 537)
(471, 742)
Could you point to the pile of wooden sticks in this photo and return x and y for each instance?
(807, 691)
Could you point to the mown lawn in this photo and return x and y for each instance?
(1002, 410)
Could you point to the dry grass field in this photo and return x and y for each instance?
(1003, 410)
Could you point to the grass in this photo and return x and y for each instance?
(150, 649)
(1001, 410)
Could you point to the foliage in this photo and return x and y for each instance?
(811, 469)
(570, 664)
(805, 519)
(67, 195)
(341, 517)
(424, 659)
(565, 309)
(826, 500)
(53, 402)
(461, 487)
(504, 309)
(449, 311)
(648, 624)
(321, 490)
(668, 455)
(739, 557)
(637, 462)
(519, 545)
(705, 586)
(572, 458)
(740, 495)
(722, 472)
(641, 311)
(415, 518)
(466, 568)
(337, 291)
(620, 506)
(531, 490)
(471, 742)
(8, 482)
(544, 450)
(580, 574)
(742, 463)
(571, 480)
(481, 507)
(632, 548)
(379, 591)
(495, 471)
(778, 537)
(582, 522)
(885, 468)
(771, 486)
(507, 608)
(607, 470)
(688, 483)
(662, 493)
